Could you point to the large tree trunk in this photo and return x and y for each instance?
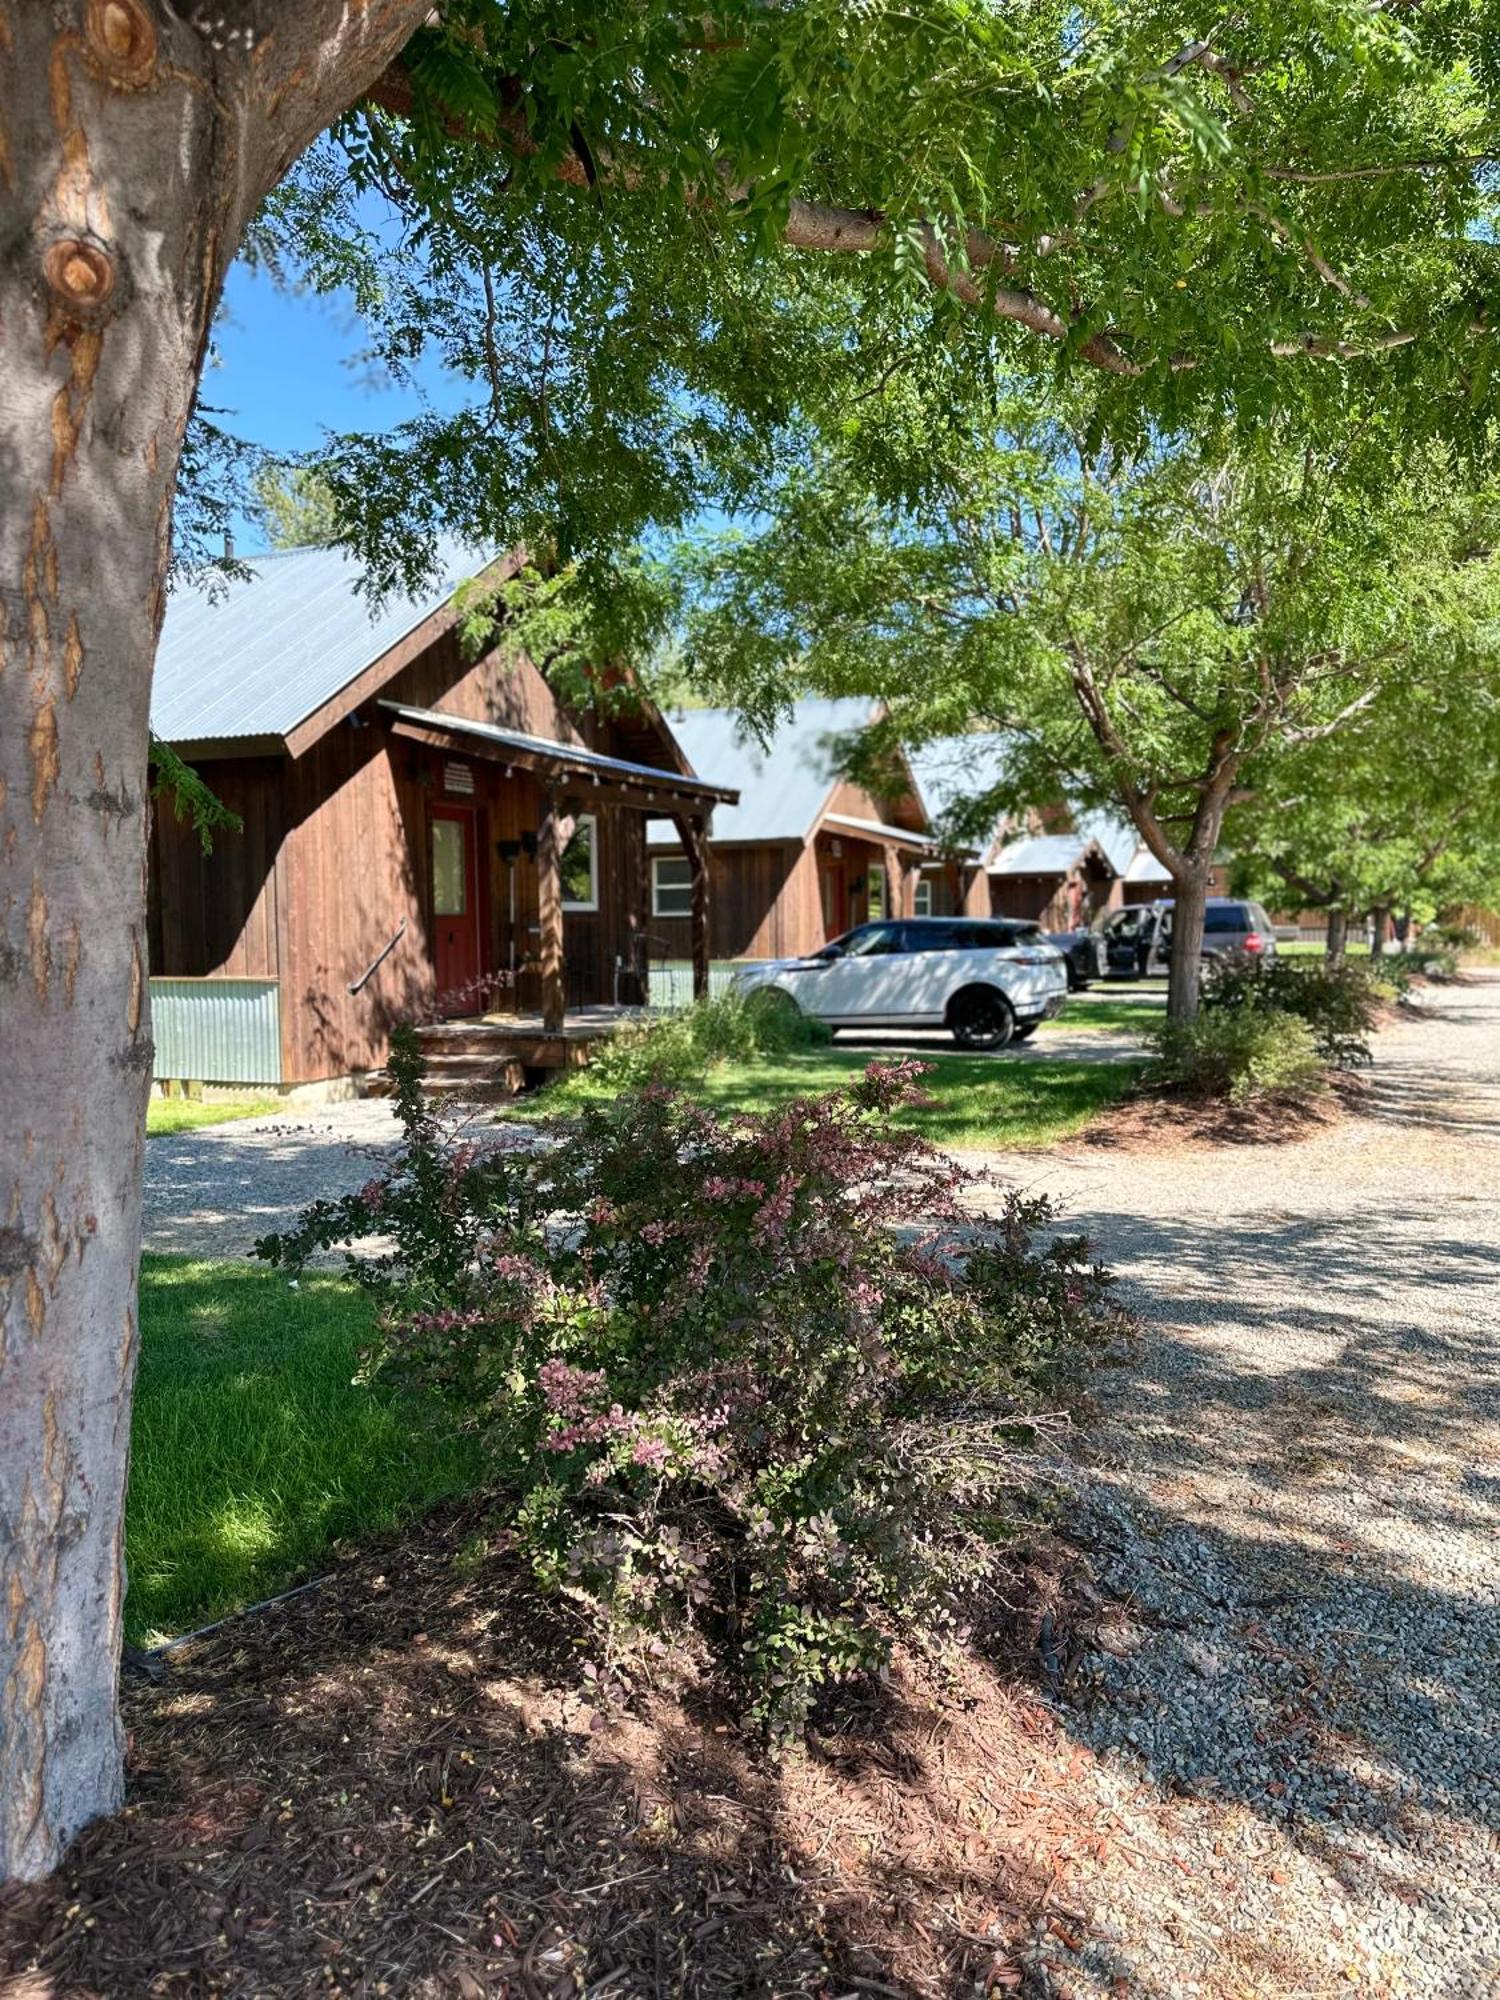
(1338, 936)
(133, 146)
(1380, 918)
(1190, 894)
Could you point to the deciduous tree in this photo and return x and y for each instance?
(1156, 632)
(608, 184)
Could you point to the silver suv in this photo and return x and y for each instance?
(1139, 940)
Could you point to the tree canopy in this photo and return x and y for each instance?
(584, 213)
(1162, 631)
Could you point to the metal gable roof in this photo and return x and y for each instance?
(782, 787)
(1040, 854)
(256, 655)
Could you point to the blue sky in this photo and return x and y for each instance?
(288, 368)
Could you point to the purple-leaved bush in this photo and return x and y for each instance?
(753, 1385)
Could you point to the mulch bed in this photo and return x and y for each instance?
(1152, 1120)
(397, 1784)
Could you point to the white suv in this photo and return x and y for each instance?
(988, 982)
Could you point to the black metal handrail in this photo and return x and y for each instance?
(375, 963)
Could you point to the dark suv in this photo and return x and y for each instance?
(1139, 941)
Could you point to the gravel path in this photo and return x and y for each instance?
(211, 1192)
(1291, 1684)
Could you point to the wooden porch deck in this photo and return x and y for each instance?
(500, 1055)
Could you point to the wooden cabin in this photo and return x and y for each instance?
(805, 853)
(1051, 864)
(426, 835)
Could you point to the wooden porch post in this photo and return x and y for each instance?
(894, 886)
(692, 831)
(553, 835)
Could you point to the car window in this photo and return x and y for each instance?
(873, 941)
(1227, 917)
(1262, 921)
(929, 937)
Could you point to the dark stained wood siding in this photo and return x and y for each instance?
(333, 859)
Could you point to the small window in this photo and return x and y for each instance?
(580, 866)
(875, 892)
(1227, 917)
(450, 883)
(923, 906)
(671, 886)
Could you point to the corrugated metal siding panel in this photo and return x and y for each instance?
(672, 985)
(217, 1030)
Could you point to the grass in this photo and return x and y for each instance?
(253, 1450)
(1133, 1016)
(978, 1102)
(185, 1114)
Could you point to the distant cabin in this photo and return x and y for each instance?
(805, 853)
(426, 835)
(1051, 864)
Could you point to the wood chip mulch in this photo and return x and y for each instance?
(397, 1784)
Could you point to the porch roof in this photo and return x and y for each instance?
(877, 829)
(648, 786)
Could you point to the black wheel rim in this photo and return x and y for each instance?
(983, 1024)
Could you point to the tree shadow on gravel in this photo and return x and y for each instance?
(1293, 1606)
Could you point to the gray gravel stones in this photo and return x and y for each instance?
(1290, 1516)
(211, 1192)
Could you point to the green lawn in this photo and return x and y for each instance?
(978, 1102)
(1135, 1016)
(252, 1449)
(182, 1114)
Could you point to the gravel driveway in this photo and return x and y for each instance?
(1291, 1684)
(211, 1192)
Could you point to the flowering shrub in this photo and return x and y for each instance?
(1338, 1002)
(752, 1383)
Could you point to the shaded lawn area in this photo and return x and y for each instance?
(183, 1114)
(978, 1102)
(252, 1448)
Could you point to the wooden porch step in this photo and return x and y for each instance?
(466, 1077)
(534, 1048)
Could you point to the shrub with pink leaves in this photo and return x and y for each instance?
(754, 1385)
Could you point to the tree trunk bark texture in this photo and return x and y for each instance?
(1338, 936)
(1184, 972)
(135, 140)
(1380, 918)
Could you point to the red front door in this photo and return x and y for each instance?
(453, 865)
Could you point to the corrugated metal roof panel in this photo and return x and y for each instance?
(1145, 867)
(782, 787)
(1039, 854)
(954, 768)
(575, 754)
(254, 656)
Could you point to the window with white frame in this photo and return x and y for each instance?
(671, 886)
(923, 904)
(580, 865)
